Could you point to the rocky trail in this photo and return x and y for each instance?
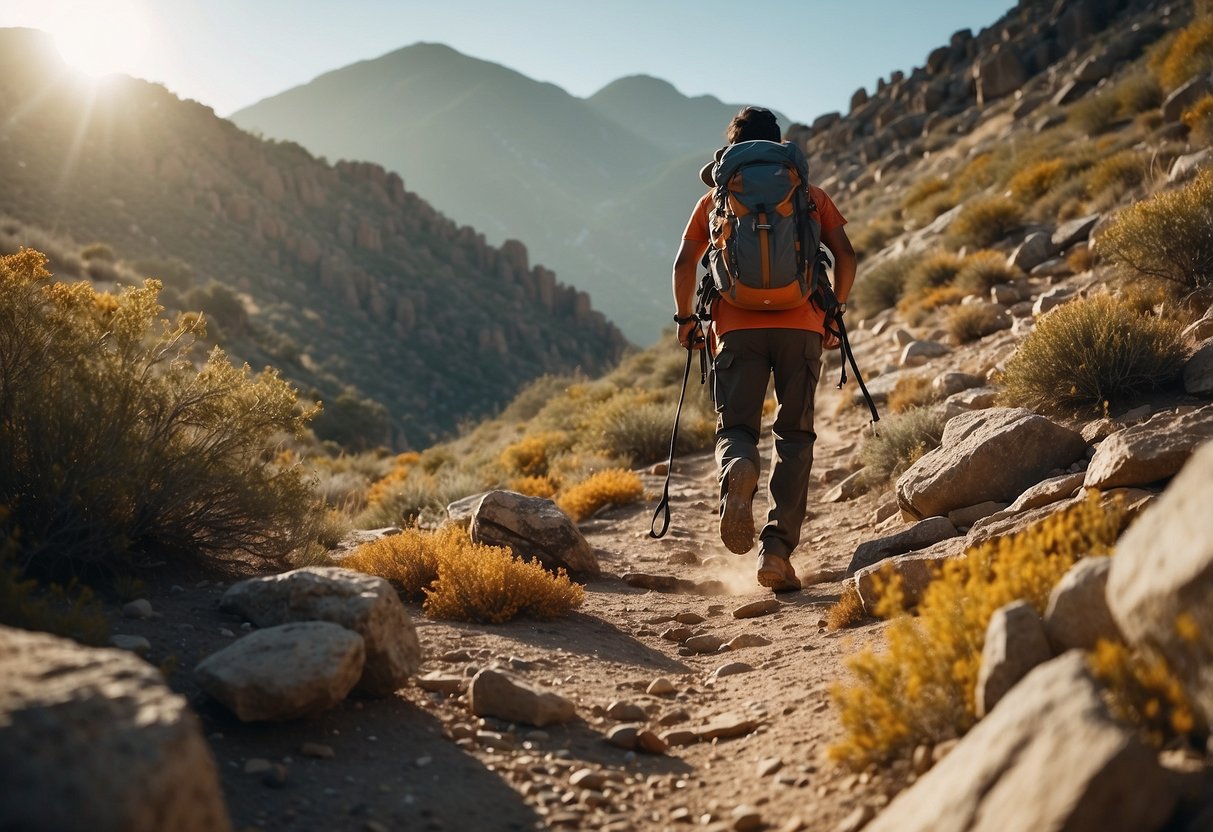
(734, 683)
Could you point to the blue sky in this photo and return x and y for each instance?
(803, 58)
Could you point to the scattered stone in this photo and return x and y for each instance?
(1052, 299)
(1046, 492)
(317, 751)
(461, 510)
(648, 742)
(1184, 96)
(1074, 231)
(1187, 166)
(1015, 643)
(533, 527)
(994, 454)
(135, 644)
(706, 643)
(284, 672)
(624, 736)
(744, 640)
(677, 634)
(257, 766)
(626, 712)
(1006, 524)
(746, 819)
(732, 669)
(691, 618)
(919, 536)
(680, 737)
(858, 819)
(727, 726)
(366, 604)
(496, 694)
(1151, 451)
(683, 557)
(438, 682)
(140, 609)
(769, 766)
(661, 687)
(93, 738)
(1050, 756)
(848, 489)
(950, 383)
(1078, 614)
(1160, 587)
(755, 609)
(671, 584)
(915, 569)
(917, 353)
(1036, 248)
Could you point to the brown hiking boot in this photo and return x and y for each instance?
(736, 510)
(777, 574)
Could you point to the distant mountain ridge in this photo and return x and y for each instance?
(347, 277)
(598, 188)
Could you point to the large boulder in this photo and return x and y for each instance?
(356, 601)
(1077, 615)
(1160, 587)
(1150, 451)
(1015, 644)
(1036, 248)
(993, 454)
(1198, 372)
(93, 740)
(533, 527)
(919, 536)
(998, 74)
(284, 672)
(1049, 756)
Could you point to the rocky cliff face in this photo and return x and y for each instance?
(370, 286)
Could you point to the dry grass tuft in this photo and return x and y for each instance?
(974, 321)
(847, 611)
(1190, 53)
(911, 392)
(986, 220)
(1199, 119)
(920, 689)
(1036, 180)
(615, 486)
(902, 441)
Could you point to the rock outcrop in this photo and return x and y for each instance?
(533, 527)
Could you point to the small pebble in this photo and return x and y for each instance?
(140, 609)
(317, 751)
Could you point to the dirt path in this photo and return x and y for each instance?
(421, 761)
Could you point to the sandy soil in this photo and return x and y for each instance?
(421, 761)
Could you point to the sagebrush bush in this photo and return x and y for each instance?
(421, 497)
(920, 689)
(530, 455)
(1034, 181)
(971, 322)
(1091, 353)
(874, 235)
(983, 269)
(1117, 174)
(933, 270)
(902, 440)
(541, 486)
(466, 581)
(1199, 118)
(881, 287)
(1189, 54)
(1138, 93)
(986, 220)
(1169, 236)
(1094, 113)
(114, 443)
(911, 392)
(611, 487)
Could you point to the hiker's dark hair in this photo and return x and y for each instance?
(752, 123)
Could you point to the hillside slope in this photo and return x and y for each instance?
(518, 158)
(346, 278)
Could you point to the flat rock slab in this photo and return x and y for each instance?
(366, 604)
(284, 672)
(93, 740)
(1049, 491)
(755, 609)
(919, 536)
(1160, 587)
(1151, 451)
(533, 527)
(915, 569)
(497, 694)
(727, 726)
(1007, 523)
(994, 454)
(1049, 756)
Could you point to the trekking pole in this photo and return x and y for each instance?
(849, 356)
(663, 506)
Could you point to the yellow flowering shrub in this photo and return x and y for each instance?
(611, 487)
(533, 486)
(920, 688)
(1143, 691)
(531, 455)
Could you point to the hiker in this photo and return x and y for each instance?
(748, 345)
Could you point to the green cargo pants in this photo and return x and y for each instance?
(744, 363)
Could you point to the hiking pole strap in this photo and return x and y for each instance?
(850, 357)
(663, 506)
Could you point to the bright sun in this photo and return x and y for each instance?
(100, 38)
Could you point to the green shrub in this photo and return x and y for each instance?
(1095, 113)
(902, 440)
(1034, 181)
(1138, 93)
(973, 321)
(1169, 236)
(1092, 353)
(983, 269)
(1189, 54)
(881, 287)
(114, 443)
(986, 220)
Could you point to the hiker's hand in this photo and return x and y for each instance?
(830, 341)
(690, 336)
